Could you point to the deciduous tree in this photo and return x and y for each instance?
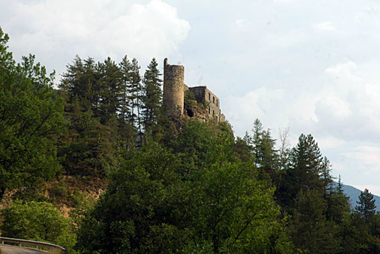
(31, 118)
(38, 221)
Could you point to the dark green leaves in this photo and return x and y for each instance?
(38, 221)
(366, 205)
(197, 199)
(31, 117)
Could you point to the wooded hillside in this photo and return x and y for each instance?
(130, 180)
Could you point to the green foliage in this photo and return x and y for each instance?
(242, 150)
(366, 206)
(137, 212)
(310, 230)
(30, 194)
(31, 117)
(193, 144)
(95, 95)
(110, 110)
(262, 147)
(191, 105)
(337, 204)
(357, 237)
(156, 204)
(111, 88)
(38, 221)
(189, 96)
(304, 172)
(134, 94)
(176, 187)
(233, 211)
(63, 192)
(152, 99)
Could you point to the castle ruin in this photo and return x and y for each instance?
(174, 95)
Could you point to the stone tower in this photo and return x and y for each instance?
(174, 89)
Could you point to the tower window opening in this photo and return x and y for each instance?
(209, 110)
(213, 99)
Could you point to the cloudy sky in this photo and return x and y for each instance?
(310, 66)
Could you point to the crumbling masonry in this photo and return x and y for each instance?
(174, 94)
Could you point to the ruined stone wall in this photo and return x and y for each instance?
(205, 96)
(199, 93)
(174, 88)
(174, 94)
(214, 104)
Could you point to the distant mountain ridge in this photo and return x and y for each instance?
(354, 193)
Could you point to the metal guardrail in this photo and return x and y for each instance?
(20, 242)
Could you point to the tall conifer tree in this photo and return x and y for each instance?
(126, 132)
(366, 205)
(305, 169)
(112, 88)
(134, 91)
(152, 97)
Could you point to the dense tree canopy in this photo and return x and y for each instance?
(31, 118)
(153, 206)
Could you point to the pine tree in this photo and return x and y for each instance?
(310, 230)
(80, 81)
(92, 93)
(126, 132)
(304, 172)
(256, 141)
(111, 90)
(366, 205)
(134, 91)
(337, 203)
(284, 150)
(262, 145)
(152, 98)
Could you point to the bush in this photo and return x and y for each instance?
(39, 221)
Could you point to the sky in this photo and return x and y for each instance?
(311, 67)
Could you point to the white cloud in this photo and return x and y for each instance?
(258, 103)
(333, 106)
(59, 30)
(240, 23)
(348, 104)
(285, 40)
(343, 70)
(368, 155)
(284, 1)
(152, 30)
(340, 111)
(325, 26)
(330, 142)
